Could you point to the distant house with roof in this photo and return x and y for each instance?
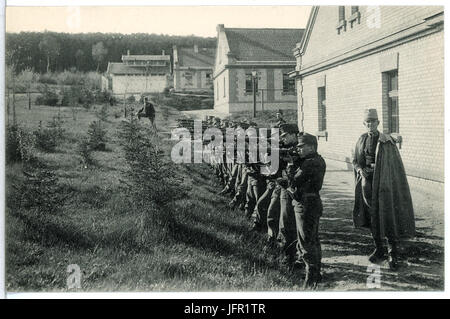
(138, 74)
(268, 52)
(193, 68)
(386, 57)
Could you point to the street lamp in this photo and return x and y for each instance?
(254, 74)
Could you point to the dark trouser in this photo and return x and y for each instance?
(260, 213)
(242, 185)
(254, 190)
(307, 216)
(287, 230)
(366, 184)
(273, 213)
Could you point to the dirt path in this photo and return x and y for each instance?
(345, 248)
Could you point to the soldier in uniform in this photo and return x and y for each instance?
(287, 230)
(306, 184)
(148, 110)
(280, 119)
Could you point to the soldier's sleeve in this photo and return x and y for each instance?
(356, 150)
(304, 172)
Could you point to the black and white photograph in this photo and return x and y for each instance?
(223, 148)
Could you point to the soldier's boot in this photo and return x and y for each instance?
(287, 260)
(312, 277)
(233, 203)
(225, 190)
(393, 256)
(378, 254)
(271, 247)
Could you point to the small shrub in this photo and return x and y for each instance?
(103, 113)
(85, 151)
(47, 97)
(97, 136)
(56, 125)
(86, 98)
(39, 189)
(105, 97)
(45, 139)
(151, 175)
(19, 144)
(131, 99)
(47, 78)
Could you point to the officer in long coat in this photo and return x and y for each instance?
(382, 196)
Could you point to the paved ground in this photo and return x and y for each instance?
(345, 248)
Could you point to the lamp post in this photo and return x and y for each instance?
(254, 74)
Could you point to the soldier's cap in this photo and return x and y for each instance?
(253, 124)
(216, 119)
(370, 114)
(280, 111)
(245, 123)
(307, 139)
(288, 128)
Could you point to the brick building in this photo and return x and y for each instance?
(138, 74)
(193, 68)
(389, 58)
(268, 52)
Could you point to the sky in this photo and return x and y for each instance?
(171, 20)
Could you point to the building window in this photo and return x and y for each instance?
(188, 77)
(390, 96)
(342, 24)
(249, 83)
(355, 17)
(322, 98)
(223, 86)
(288, 84)
(341, 13)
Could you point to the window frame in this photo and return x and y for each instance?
(249, 87)
(288, 84)
(322, 108)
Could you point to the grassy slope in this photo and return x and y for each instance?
(210, 248)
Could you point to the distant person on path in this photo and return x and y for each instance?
(147, 111)
(382, 196)
(280, 119)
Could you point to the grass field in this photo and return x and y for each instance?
(208, 249)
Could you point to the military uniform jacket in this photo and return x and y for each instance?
(308, 178)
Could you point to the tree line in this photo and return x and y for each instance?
(54, 52)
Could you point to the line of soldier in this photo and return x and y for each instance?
(286, 203)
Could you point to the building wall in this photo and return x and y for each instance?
(198, 80)
(376, 22)
(222, 91)
(236, 99)
(355, 86)
(137, 84)
(104, 83)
